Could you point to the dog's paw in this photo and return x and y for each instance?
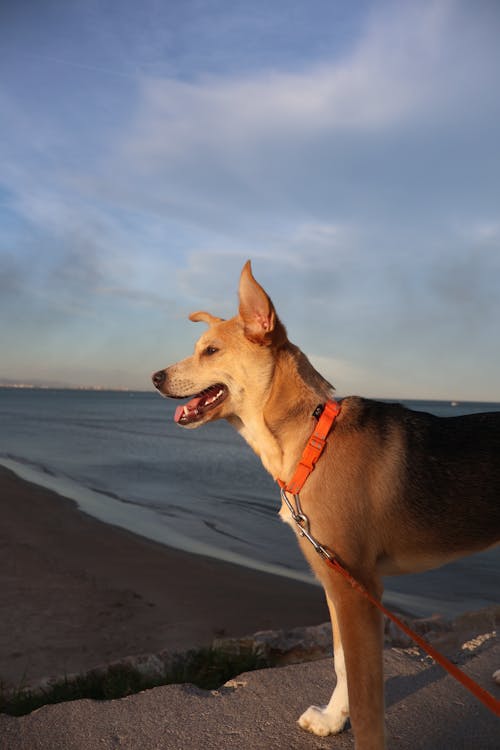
(323, 721)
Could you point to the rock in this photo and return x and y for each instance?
(469, 633)
(283, 646)
(394, 636)
(428, 627)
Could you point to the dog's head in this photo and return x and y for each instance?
(233, 362)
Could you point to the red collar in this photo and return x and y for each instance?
(313, 449)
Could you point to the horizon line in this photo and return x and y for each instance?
(126, 389)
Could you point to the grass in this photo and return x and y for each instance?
(206, 668)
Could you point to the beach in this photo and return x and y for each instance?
(77, 592)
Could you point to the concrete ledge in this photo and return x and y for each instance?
(426, 710)
(282, 647)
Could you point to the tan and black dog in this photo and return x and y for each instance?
(396, 491)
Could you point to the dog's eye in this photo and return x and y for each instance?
(210, 350)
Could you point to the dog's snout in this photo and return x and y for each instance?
(158, 378)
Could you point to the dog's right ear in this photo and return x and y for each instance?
(204, 317)
(256, 309)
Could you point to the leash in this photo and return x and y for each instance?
(310, 456)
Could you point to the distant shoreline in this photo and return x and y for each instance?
(39, 387)
(124, 389)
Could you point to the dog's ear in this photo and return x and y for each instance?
(204, 317)
(256, 309)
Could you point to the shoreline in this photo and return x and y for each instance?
(78, 592)
(139, 520)
(465, 585)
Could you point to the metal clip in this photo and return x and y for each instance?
(302, 522)
(296, 512)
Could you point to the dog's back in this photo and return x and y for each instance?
(450, 477)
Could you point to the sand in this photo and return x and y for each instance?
(76, 593)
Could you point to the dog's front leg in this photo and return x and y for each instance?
(360, 627)
(332, 718)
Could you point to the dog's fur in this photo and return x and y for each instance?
(396, 491)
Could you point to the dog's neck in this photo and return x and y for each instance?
(278, 425)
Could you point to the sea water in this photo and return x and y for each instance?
(122, 458)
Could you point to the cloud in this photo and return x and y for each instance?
(340, 140)
(380, 84)
(362, 182)
(351, 138)
(464, 286)
(302, 259)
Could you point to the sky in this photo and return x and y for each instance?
(350, 150)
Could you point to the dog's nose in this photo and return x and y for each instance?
(158, 378)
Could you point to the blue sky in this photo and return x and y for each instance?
(351, 150)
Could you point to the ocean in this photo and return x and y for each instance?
(122, 458)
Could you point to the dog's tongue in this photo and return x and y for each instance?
(190, 406)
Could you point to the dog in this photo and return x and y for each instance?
(395, 491)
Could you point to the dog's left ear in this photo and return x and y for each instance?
(204, 317)
(256, 309)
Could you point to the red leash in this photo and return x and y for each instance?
(311, 455)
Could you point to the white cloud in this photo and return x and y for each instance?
(357, 135)
(401, 68)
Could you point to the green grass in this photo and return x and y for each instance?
(207, 668)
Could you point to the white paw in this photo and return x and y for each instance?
(322, 721)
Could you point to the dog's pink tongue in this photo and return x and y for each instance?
(178, 413)
(190, 406)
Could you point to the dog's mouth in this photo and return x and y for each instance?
(199, 405)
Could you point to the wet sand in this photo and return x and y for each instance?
(76, 592)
